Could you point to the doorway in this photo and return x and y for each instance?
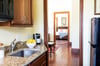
(80, 32)
(61, 28)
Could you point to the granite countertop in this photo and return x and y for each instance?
(22, 61)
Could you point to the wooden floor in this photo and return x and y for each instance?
(63, 57)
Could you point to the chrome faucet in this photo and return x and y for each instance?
(13, 44)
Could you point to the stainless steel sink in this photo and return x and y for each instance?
(24, 53)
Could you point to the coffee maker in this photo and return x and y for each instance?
(37, 38)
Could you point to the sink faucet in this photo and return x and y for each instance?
(13, 44)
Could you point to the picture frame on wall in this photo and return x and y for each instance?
(63, 21)
(97, 7)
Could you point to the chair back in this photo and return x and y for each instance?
(48, 37)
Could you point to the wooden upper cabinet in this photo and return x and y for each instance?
(22, 12)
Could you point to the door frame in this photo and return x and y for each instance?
(80, 30)
(81, 33)
(62, 12)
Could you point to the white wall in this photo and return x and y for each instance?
(88, 14)
(7, 34)
(74, 25)
(38, 17)
(60, 16)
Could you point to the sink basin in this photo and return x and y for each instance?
(24, 53)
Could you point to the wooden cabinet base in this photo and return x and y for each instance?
(40, 61)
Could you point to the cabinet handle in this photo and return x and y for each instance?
(92, 44)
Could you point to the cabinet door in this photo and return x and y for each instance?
(43, 63)
(40, 61)
(22, 12)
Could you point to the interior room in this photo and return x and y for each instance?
(49, 32)
(61, 27)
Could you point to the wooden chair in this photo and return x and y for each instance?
(51, 44)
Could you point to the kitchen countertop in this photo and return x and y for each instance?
(22, 61)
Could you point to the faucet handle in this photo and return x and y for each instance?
(13, 41)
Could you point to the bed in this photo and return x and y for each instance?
(62, 33)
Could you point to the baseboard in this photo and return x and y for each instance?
(75, 51)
